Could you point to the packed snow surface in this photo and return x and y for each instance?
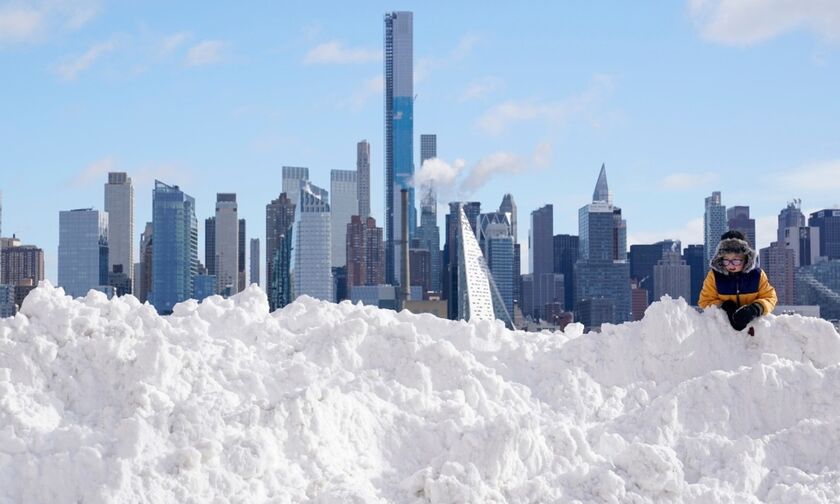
(105, 401)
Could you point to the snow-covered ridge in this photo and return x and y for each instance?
(105, 401)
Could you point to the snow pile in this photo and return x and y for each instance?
(105, 401)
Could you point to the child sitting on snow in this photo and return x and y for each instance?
(734, 283)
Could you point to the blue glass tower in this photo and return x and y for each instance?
(82, 251)
(399, 134)
(174, 248)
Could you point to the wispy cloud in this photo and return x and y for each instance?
(206, 52)
(27, 22)
(496, 120)
(171, 43)
(370, 88)
(426, 66)
(458, 180)
(71, 67)
(746, 22)
(822, 176)
(481, 88)
(683, 181)
(95, 172)
(334, 52)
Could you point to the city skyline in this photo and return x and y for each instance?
(196, 94)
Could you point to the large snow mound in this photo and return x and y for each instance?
(105, 401)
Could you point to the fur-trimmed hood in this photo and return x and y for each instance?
(733, 246)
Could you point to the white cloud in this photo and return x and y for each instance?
(426, 66)
(479, 89)
(370, 88)
(20, 24)
(440, 172)
(95, 172)
(496, 120)
(206, 52)
(823, 176)
(745, 22)
(171, 43)
(72, 67)
(490, 166)
(683, 181)
(26, 22)
(334, 52)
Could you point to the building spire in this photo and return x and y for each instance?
(602, 192)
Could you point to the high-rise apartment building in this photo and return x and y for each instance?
(20, 264)
(738, 219)
(399, 134)
(714, 225)
(363, 177)
(210, 245)
(313, 247)
(343, 205)
(293, 179)
(174, 247)
(82, 251)
(472, 211)
(279, 222)
(227, 244)
(541, 262)
(778, 262)
(255, 261)
(828, 222)
(119, 203)
(508, 207)
(365, 250)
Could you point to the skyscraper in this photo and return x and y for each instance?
(777, 261)
(119, 203)
(399, 134)
(672, 276)
(242, 241)
(695, 258)
(82, 251)
(343, 205)
(227, 244)
(365, 253)
(428, 233)
(293, 176)
(498, 254)
(210, 245)
(738, 219)
(472, 211)
(714, 225)
(255, 261)
(313, 273)
(602, 274)
(363, 177)
(508, 207)
(828, 222)
(174, 247)
(541, 261)
(566, 252)
(143, 280)
(790, 216)
(279, 221)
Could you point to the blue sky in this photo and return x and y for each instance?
(679, 99)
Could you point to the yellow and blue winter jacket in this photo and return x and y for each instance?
(744, 287)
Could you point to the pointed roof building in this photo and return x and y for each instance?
(602, 191)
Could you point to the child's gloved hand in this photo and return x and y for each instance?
(729, 307)
(744, 315)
